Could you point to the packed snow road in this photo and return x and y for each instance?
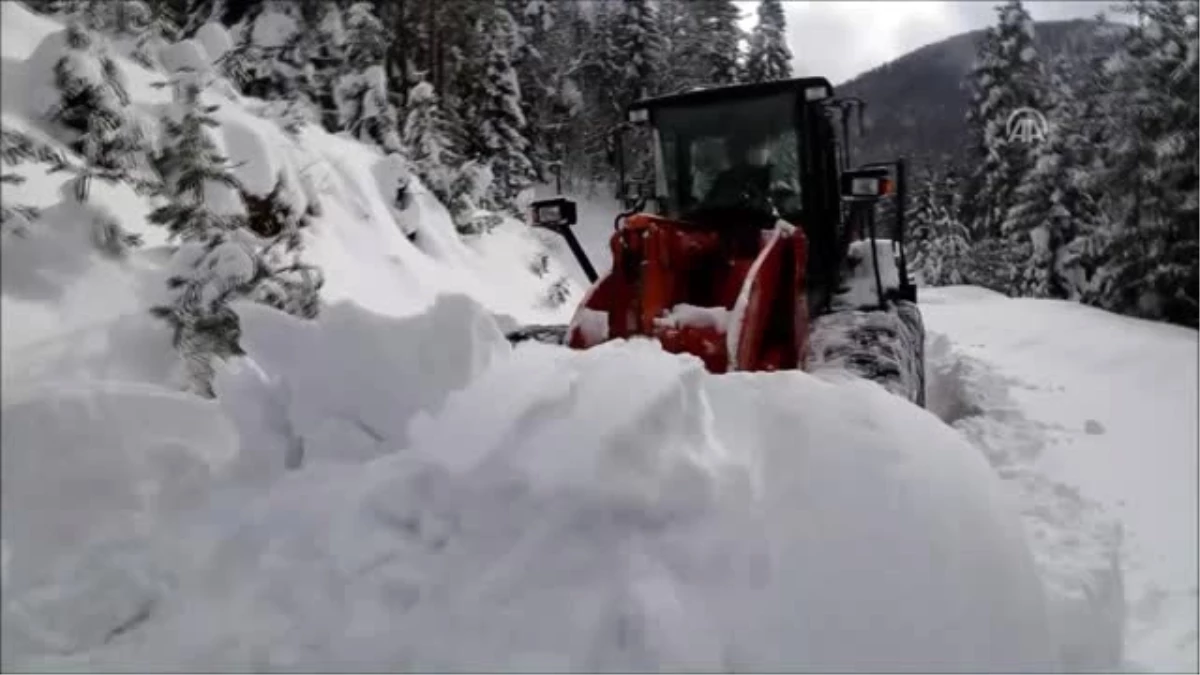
(1092, 418)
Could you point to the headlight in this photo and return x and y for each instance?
(552, 214)
(817, 93)
(864, 187)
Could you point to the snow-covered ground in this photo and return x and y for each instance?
(688, 521)
(1078, 406)
(394, 487)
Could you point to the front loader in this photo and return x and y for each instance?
(754, 246)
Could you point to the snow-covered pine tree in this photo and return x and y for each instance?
(949, 254)
(455, 65)
(556, 70)
(220, 261)
(161, 29)
(260, 35)
(1083, 123)
(114, 18)
(1150, 255)
(920, 219)
(1092, 112)
(684, 49)
(139, 27)
(619, 57)
(1051, 207)
(17, 148)
(210, 275)
(535, 45)
(361, 92)
(270, 61)
(769, 57)
(366, 112)
(188, 162)
(496, 131)
(368, 37)
(719, 40)
(320, 52)
(306, 54)
(1008, 76)
(107, 232)
(558, 128)
(1177, 151)
(94, 108)
(600, 78)
(469, 195)
(16, 219)
(426, 141)
(639, 40)
(190, 15)
(408, 23)
(94, 105)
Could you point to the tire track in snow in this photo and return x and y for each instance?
(1077, 545)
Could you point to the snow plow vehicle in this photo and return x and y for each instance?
(753, 246)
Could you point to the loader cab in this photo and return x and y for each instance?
(746, 155)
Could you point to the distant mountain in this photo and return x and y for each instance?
(917, 104)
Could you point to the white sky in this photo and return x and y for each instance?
(839, 39)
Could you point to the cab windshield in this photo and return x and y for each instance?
(741, 155)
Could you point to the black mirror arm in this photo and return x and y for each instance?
(576, 250)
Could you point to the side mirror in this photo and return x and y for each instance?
(558, 215)
(554, 214)
(866, 184)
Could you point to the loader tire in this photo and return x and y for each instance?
(886, 346)
(549, 334)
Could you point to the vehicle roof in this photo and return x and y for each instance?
(733, 92)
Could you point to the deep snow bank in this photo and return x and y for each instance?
(90, 473)
(343, 388)
(613, 509)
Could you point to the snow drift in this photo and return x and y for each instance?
(688, 521)
(90, 472)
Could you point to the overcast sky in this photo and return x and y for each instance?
(839, 39)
